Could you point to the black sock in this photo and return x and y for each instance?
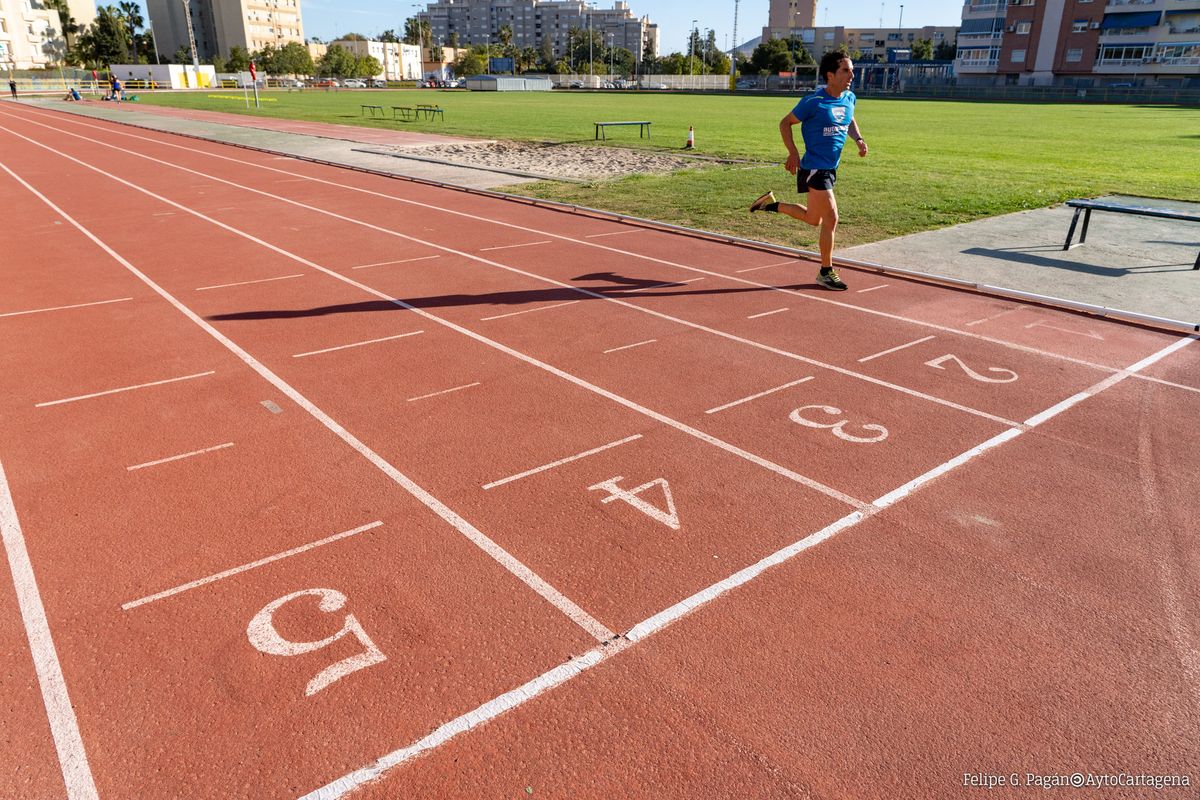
(826, 270)
(771, 207)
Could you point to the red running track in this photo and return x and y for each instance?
(319, 483)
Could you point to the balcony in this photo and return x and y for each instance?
(990, 9)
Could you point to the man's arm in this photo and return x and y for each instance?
(785, 130)
(856, 135)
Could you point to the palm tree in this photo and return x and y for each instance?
(131, 15)
(506, 37)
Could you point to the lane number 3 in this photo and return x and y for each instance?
(263, 636)
(838, 428)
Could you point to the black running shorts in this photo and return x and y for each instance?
(822, 179)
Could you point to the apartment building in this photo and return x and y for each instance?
(399, 62)
(872, 44)
(535, 21)
(786, 16)
(1081, 43)
(218, 25)
(31, 35)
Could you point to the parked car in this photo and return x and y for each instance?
(354, 83)
(377, 83)
(326, 83)
(292, 83)
(746, 84)
(576, 84)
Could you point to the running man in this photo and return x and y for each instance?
(12, 87)
(825, 118)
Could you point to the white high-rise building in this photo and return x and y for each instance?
(31, 35)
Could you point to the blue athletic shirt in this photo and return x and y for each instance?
(824, 123)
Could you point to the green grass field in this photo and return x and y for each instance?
(932, 163)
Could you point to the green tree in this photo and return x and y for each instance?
(183, 55)
(267, 60)
(70, 28)
(547, 50)
(452, 40)
(131, 16)
(366, 67)
(389, 36)
(412, 31)
(527, 59)
(471, 63)
(294, 59)
(772, 57)
(337, 62)
(239, 59)
(922, 50)
(506, 40)
(104, 41)
(945, 51)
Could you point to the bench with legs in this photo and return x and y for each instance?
(372, 109)
(601, 133)
(406, 112)
(1086, 207)
(432, 111)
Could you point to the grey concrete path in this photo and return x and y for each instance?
(1130, 263)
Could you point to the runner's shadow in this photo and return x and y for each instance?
(629, 288)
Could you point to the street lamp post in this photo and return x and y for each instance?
(590, 56)
(691, 58)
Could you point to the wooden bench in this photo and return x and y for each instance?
(1086, 207)
(372, 109)
(432, 111)
(643, 129)
(406, 112)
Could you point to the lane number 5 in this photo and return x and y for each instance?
(263, 636)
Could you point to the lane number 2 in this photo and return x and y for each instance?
(937, 364)
(839, 428)
(263, 636)
(668, 517)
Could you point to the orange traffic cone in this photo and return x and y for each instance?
(691, 142)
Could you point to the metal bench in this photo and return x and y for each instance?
(406, 112)
(372, 109)
(431, 111)
(1086, 207)
(643, 129)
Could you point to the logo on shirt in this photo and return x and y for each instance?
(838, 114)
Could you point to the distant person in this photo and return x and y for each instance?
(72, 95)
(12, 87)
(825, 118)
(116, 88)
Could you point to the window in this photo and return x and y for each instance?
(1079, 26)
(1023, 28)
(828, 36)
(1017, 56)
(1075, 55)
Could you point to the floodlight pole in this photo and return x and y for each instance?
(691, 58)
(590, 55)
(732, 55)
(187, 13)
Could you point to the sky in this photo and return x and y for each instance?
(329, 19)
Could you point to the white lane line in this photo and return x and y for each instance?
(561, 461)
(530, 310)
(760, 394)
(63, 308)
(247, 567)
(768, 266)
(812, 297)
(501, 556)
(179, 457)
(400, 261)
(872, 288)
(64, 727)
(357, 344)
(122, 389)
(444, 391)
(893, 350)
(994, 316)
(478, 337)
(767, 313)
(247, 283)
(643, 630)
(627, 346)
(172, 213)
(511, 246)
(666, 285)
(1087, 334)
(465, 722)
(615, 233)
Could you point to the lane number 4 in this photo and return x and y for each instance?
(668, 517)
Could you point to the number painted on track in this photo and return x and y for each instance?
(263, 636)
(937, 364)
(839, 428)
(669, 517)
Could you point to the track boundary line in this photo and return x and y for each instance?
(574, 379)
(561, 461)
(64, 727)
(517, 568)
(514, 270)
(179, 457)
(643, 630)
(640, 223)
(227, 573)
(62, 308)
(122, 389)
